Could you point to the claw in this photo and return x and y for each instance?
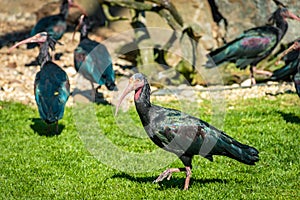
(162, 176)
(169, 177)
(167, 174)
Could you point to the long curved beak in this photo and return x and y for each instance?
(36, 38)
(76, 29)
(78, 26)
(293, 16)
(128, 89)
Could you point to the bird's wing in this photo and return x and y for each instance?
(52, 90)
(259, 41)
(38, 98)
(183, 134)
(248, 47)
(95, 60)
(179, 132)
(46, 23)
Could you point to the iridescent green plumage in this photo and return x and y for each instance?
(52, 90)
(183, 134)
(51, 85)
(253, 45)
(92, 59)
(248, 49)
(54, 25)
(292, 61)
(291, 69)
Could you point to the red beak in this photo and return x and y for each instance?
(293, 16)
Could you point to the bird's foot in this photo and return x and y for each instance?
(166, 174)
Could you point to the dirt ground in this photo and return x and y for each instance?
(17, 76)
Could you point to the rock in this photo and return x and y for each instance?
(246, 83)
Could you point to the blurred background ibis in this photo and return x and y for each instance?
(254, 44)
(92, 59)
(54, 25)
(51, 85)
(291, 69)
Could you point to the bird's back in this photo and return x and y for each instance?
(52, 91)
(248, 49)
(181, 133)
(93, 61)
(54, 25)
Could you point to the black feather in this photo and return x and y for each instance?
(186, 135)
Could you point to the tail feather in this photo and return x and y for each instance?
(216, 57)
(228, 52)
(240, 152)
(285, 72)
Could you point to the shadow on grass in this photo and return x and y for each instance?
(280, 93)
(172, 183)
(289, 117)
(43, 129)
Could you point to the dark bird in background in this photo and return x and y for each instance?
(254, 44)
(291, 69)
(297, 81)
(92, 59)
(292, 60)
(51, 85)
(182, 134)
(218, 17)
(55, 25)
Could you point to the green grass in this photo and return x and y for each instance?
(35, 164)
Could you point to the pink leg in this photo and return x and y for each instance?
(262, 72)
(253, 81)
(254, 70)
(168, 174)
(188, 177)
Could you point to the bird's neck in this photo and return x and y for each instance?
(142, 103)
(282, 25)
(83, 32)
(44, 55)
(64, 9)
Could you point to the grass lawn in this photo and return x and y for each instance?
(36, 164)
